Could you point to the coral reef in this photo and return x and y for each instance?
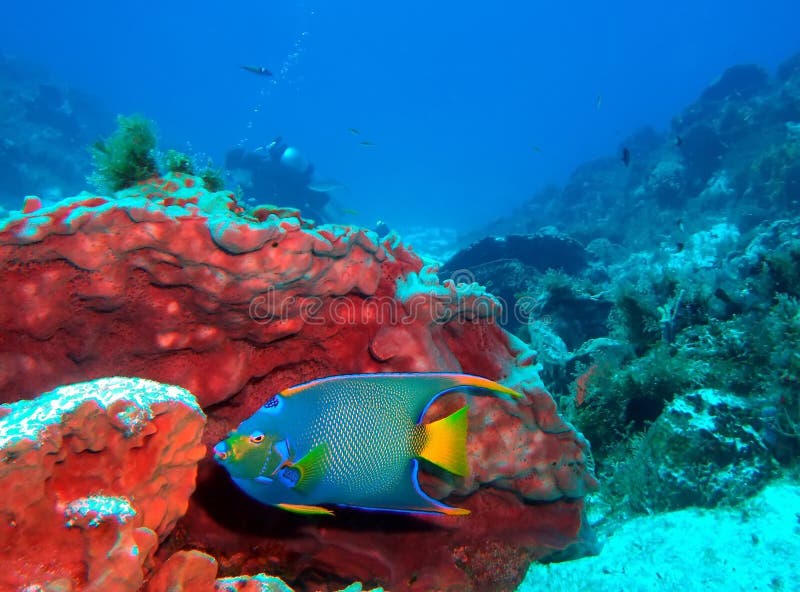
(716, 315)
(702, 298)
(44, 131)
(732, 154)
(507, 266)
(672, 345)
(703, 450)
(542, 251)
(168, 281)
(178, 162)
(93, 476)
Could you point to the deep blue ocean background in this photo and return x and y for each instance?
(472, 107)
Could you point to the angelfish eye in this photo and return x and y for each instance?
(256, 438)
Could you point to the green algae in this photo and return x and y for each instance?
(212, 178)
(178, 162)
(127, 156)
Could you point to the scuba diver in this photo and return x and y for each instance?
(279, 175)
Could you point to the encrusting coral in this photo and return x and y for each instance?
(93, 476)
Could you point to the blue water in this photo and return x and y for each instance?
(472, 106)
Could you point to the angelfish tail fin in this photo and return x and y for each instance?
(445, 443)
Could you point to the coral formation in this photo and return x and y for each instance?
(542, 251)
(737, 136)
(703, 450)
(506, 265)
(44, 131)
(93, 476)
(701, 299)
(168, 281)
(178, 162)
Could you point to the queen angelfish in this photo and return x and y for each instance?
(353, 440)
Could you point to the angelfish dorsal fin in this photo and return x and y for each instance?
(311, 468)
(415, 390)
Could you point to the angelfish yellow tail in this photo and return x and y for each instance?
(445, 443)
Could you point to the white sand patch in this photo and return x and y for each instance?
(754, 546)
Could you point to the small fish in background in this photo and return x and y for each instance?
(326, 186)
(536, 149)
(679, 247)
(367, 143)
(353, 440)
(354, 131)
(678, 141)
(626, 156)
(259, 70)
(598, 101)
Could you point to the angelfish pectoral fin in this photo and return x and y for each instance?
(304, 509)
(311, 468)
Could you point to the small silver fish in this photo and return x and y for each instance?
(260, 70)
(326, 185)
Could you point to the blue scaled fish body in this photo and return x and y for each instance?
(353, 440)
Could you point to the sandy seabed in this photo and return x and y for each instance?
(753, 546)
